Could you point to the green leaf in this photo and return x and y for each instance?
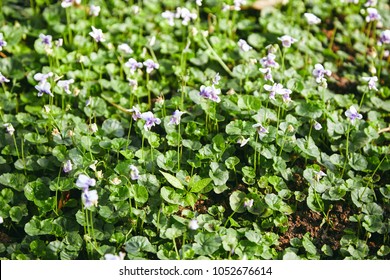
(13, 180)
(198, 186)
(309, 109)
(206, 243)
(172, 196)
(218, 173)
(308, 245)
(231, 162)
(35, 138)
(113, 127)
(141, 194)
(173, 180)
(136, 246)
(358, 162)
(236, 201)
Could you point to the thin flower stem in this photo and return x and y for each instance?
(380, 62)
(216, 56)
(346, 150)
(178, 147)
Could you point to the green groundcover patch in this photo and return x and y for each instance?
(188, 130)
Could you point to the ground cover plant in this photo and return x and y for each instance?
(194, 130)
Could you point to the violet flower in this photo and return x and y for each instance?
(353, 114)
(261, 130)
(243, 45)
(84, 182)
(44, 88)
(372, 15)
(133, 65)
(134, 172)
(150, 120)
(3, 43)
(312, 19)
(151, 65)
(68, 166)
(269, 61)
(319, 73)
(287, 40)
(384, 37)
(97, 34)
(3, 79)
(371, 82)
(64, 84)
(46, 39)
(176, 117)
(89, 198)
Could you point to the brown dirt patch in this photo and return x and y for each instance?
(306, 220)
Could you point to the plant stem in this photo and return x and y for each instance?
(346, 150)
(216, 56)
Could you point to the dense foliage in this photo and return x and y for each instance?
(194, 130)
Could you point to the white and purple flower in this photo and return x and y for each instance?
(287, 40)
(261, 130)
(134, 172)
(64, 84)
(210, 92)
(133, 65)
(89, 198)
(68, 166)
(371, 82)
(269, 61)
(44, 88)
(312, 19)
(319, 73)
(372, 15)
(176, 117)
(3, 43)
(84, 182)
(243, 45)
(150, 120)
(384, 37)
(46, 39)
(97, 34)
(151, 65)
(353, 114)
(3, 79)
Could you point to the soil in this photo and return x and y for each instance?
(306, 220)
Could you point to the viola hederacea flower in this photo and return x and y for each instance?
(134, 172)
(84, 182)
(242, 141)
(372, 15)
(267, 73)
(68, 3)
(3, 79)
(89, 198)
(318, 175)
(199, 3)
(317, 126)
(97, 34)
(238, 4)
(384, 37)
(136, 114)
(210, 92)
(286, 95)
(46, 39)
(133, 65)
(64, 84)
(44, 88)
(3, 43)
(1, 220)
(371, 82)
(150, 120)
(125, 48)
(312, 19)
(371, 3)
(10, 128)
(269, 61)
(176, 117)
(216, 79)
(276, 88)
(248, 203)
(193, 224)
(353, 114)
(243, 45)
(68, 166)
(94, 10)
(319, 73)
(287, 40)
(261, 130)
(151, 65)
(170, 16)
(185, 15)
(111, 257)
(40, 77)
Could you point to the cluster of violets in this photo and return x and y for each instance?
(211, 92)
